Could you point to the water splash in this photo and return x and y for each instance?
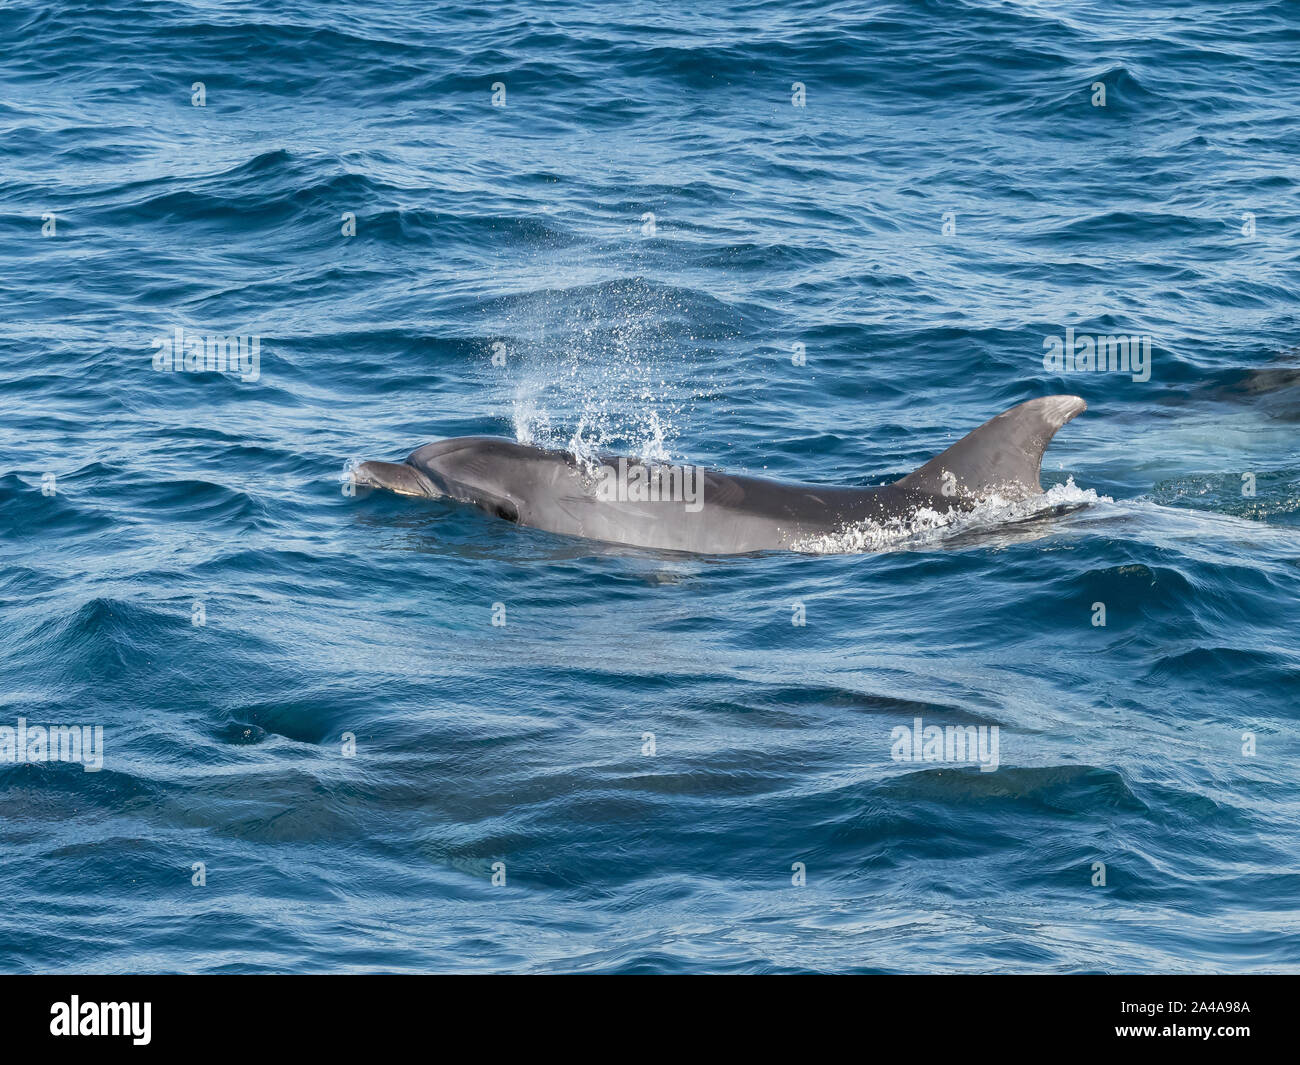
(614, 375)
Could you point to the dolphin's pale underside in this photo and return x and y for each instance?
(626, 501)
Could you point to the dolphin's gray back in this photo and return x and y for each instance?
(555, 491)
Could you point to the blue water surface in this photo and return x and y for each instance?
(819, 241)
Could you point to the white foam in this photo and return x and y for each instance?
(929, 526)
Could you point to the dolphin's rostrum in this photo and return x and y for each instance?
(683, 508)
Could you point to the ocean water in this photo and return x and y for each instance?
(319, 752)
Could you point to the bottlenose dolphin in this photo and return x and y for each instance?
(685, 508)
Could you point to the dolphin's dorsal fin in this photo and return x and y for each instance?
(1002, 456)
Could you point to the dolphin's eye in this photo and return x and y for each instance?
(506, 510)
